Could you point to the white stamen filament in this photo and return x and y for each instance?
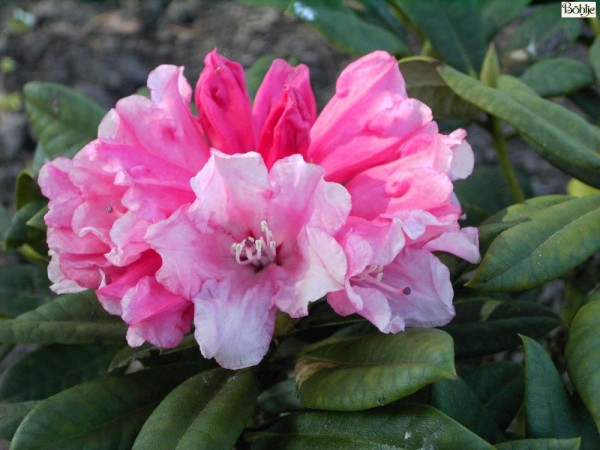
(258, 252)
(374, 274)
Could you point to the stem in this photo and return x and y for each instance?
(507, 170)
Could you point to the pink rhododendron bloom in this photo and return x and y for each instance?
(387, 151)
(255, 241)
(244, 210)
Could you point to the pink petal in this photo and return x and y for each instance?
(155, 315)
(234, 321)
(224, 105)
(463, 243)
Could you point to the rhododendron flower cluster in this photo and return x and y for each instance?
(225, 218)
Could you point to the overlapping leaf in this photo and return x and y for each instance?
(568, 76)
(408, 427)
(208, 411)
(352, 373)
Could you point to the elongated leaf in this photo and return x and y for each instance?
(70, 319)
(545, 32)
(568, 76)
(456, 399)
(496, 323)
(425, 83)
(62, 120)
(595, 57)
(354, 373)
(540, 444)
(281, 397)
(499, 387)
(405, 427)
(101, 414)
(542, 249)
(11, 416)
(497, 13)
(27, 189)
(23, 287)
(563, 138)
(208, 411)
(583, 357)
(51, 369)
(20, 234)
(548, 407)
(453, 28)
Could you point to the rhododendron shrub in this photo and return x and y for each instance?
(289, 207)
(231, 266)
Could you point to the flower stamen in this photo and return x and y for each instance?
(374, 274)
(258, 252)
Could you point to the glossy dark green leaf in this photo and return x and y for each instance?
(345, 24)
(485, 192)
(27, 189)
(560, 136)
(594, 57)
(19, 233)
(279, 398)
(101, 414)
(425, 83)
(542, 249)
(548, 408)
(458, 401)
(453, 28)
(11, 416)
(51, 369)
(540, 444)
(568, 76)
(499, 387)
(583, 357)
(408, 427)
(208, 411)
(69, 319)
(23, 287)
(497, 13)
(62, 119)
(496, 323)
(352, 373)
(545, 32)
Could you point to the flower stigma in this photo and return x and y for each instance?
(258, 252)
(374, 274)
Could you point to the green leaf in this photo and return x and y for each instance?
(208, 411)
(281, 397)
(23, 287)
(490, 69)
(405, 427)
(346, 29)
(541, 444)
(545, 32)
(62, 120)
(499, 387)
(423, 82)
(11, 416)
(453, 28)
(542, 249)
(594, 57)
(5, 219)
(69, 319)
(101, 414)
(496, 323)
(583, 357)
(27, 189)
(485, 192)
(51, 369)
(456, 399)
(497, 13)
(30, 241)
(548, 408)
(352, 373)
(561, 137)
(568, 76)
